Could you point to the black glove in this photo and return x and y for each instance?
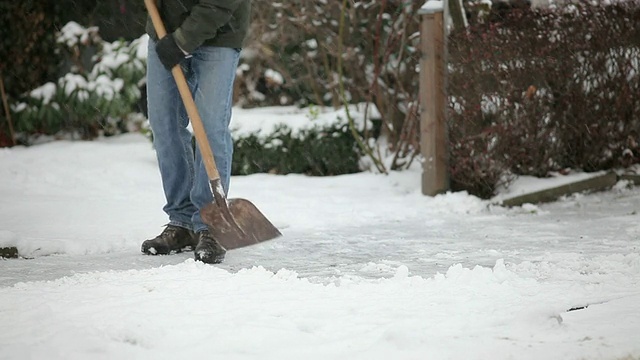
(169, 52)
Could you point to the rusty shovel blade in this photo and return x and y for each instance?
(237, 223)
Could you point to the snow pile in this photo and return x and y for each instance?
(192, 310)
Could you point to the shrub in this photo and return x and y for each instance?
(299, 54)
(544, 90)
(530, 91)
(329, 150)
(95, 97)
(117, 20)
(27, 44)
(27, 52)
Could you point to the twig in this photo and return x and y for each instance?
(6, 110)
(363, 146)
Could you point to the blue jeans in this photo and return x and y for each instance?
(210, 72)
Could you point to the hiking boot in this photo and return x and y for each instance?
(208, 249)
(172, 238)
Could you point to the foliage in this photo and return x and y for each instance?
(530, 91)
(94, 97)
(26, 44)
(544, 90)
(117, 20)
(319, 151)
(27, 52)
(299, 54)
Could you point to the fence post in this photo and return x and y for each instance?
(433, 132)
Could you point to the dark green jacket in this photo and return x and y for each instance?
(221, 23)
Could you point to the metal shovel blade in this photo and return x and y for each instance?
(242, 225)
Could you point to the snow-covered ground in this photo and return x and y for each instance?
(368, 268)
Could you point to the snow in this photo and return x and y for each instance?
(44, 92)
(368, 268)
(72, 82)
(263, 121)
(141, 45)
(274, 76)
(432, 6)
(113, 60)
(73, 33)
(106, 87)
(528, 184)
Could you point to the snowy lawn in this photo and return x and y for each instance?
(368, 268)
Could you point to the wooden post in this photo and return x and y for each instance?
(433, 133)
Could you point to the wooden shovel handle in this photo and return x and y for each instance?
(187, 99)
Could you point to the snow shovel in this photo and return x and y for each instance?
(233, 223)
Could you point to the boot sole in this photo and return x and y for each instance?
(148, 251)
(208, 258)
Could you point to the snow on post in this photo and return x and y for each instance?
(431, 7)
(433, 135)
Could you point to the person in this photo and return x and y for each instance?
(204, 37)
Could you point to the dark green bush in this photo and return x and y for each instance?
(93, 98)
(27, 51)
(27, 44)
(318, 151)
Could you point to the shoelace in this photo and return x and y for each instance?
(206, 235)
(169, 232)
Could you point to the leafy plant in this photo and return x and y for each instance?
(319, 151)
(95, 97)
